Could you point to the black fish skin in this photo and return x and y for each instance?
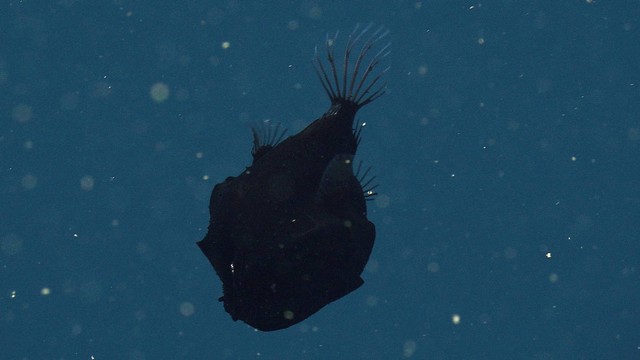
(290, 234)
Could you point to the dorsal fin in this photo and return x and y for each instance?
(366, 181)
(358, 82)
(266, 136)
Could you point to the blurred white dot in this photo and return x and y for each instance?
(293, 25)
(11, 244)
(87, 182)
(159, 92)
(409, 348)
(371, 301)
(22, 113)
(382, 201)
(29, 182)
(288, 314)
(76, 329)
(187, 308)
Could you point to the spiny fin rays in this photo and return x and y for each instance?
(359, 83)
(366, 181)
(265, 137)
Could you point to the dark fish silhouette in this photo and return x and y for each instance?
(290, 234)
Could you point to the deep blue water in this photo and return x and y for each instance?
(507, 152)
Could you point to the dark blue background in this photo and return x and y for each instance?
(489, 155)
